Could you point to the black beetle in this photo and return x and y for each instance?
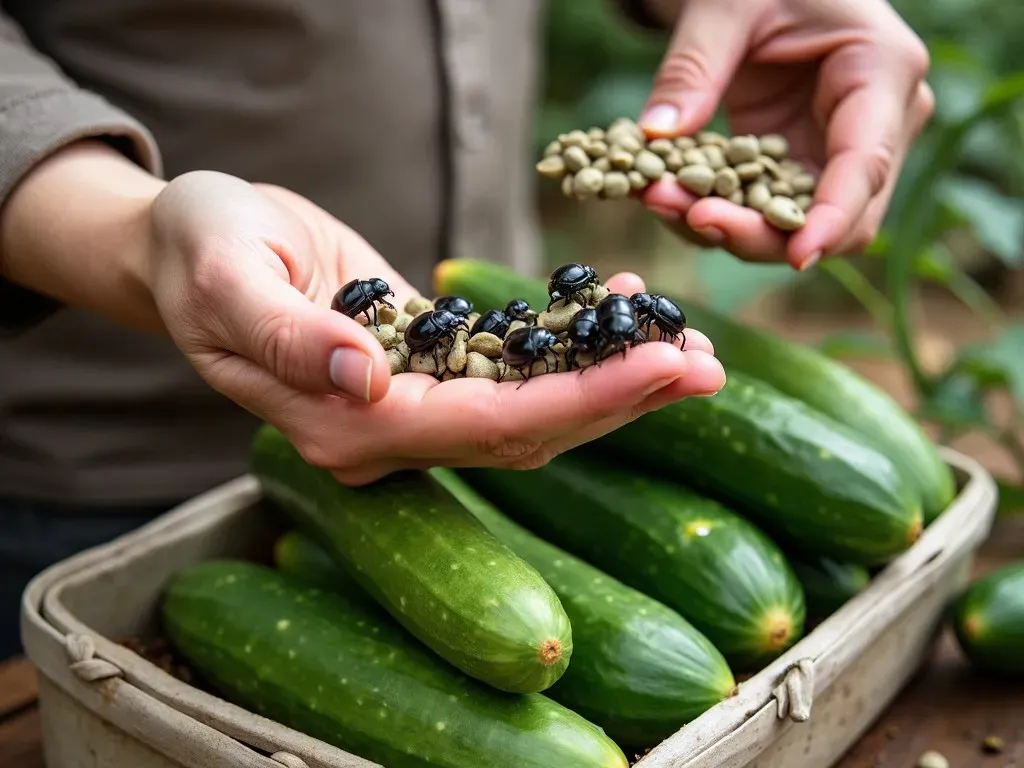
(585, 335)
(360, 296)
(525, 346)
(454, 304)
(616, 322)
(426, 331)
(660, 311)
(568, 280)
(497, 321)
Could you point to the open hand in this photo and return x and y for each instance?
(243, 277)
(843, 81)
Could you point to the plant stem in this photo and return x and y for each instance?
(976, 298)
(853, 280)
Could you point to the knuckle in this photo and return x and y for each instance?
(683, 68)
(925, 103)
(276, 335)
(509, 448)
(916, 57)
(335, 457)
(878, 165)
(534, 460)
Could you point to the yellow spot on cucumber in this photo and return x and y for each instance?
(698, 529)
(283, 624)
(440, 726)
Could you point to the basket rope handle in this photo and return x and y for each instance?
(795, 694)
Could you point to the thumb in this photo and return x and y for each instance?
(306, 346)
(709, 42)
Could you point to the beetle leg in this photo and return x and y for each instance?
(373, 306)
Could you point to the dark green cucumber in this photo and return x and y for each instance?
(344, 672)
(430, 563)
(989, 620)
(794, 470)
(828, 584)
(716, 569)
(639, 669)
(794, 369)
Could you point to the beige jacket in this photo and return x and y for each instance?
(410, 120)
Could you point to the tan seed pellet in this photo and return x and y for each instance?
(509, 374)
(699, 179)
(554, 148)
(674, 160)
(423, 362)
(804, 201)
(781, 187)
(567, 184)
(789, 168)
(620, 159)
(402, 321)
(742, 149)
(694, 156)
(598, 294)
(403, 348)
(449, 375)
(486, 344)
(713, 138)
(551, 167)
(628, 142)
(596, 134)
(993, 745)
(587, 183)
(515, 325)
(932, 759)
(637, 181)
(386, 315)
(715, 156)
(602, 164)
(596, 148)
(479, 367)
(575, 158)
(649, 164)
(749, 171)
(737, 197)
(774, 145)
(396, 361)
(616, 185)
(660, 147)
(557, 320)
(418, 305)
(771, 167)
(727, 181)
(784, 213)
(803, 183)
(456, 360)
(685, 142)
(574, 139)
(386, 335)
(758, 195)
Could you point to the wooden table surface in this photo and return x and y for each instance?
(948, 707)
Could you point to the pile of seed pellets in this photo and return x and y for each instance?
(619, 161)
(583, 325)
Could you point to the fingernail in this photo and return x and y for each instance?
(351, 371)
(711, 234)
(660, 117)
(665, 213)
(810, 261)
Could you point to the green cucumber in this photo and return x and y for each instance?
(432, 565)
(344, 672)
(793, 470)
(716, 569)
(989, 620)
(828, 584)
(794, 369)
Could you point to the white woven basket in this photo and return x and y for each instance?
(103, 705)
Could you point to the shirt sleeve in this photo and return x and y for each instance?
(639, 12)
(42, 111)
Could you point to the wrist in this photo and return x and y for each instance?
(77, 228)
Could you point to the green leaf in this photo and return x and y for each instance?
(731, 284)
(956, 402)
(998, 363)
(856, 344)
(997, 220)
(1004, 92)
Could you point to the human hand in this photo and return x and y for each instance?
(843, 81)
(243, 277)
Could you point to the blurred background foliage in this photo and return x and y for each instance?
(930, 310)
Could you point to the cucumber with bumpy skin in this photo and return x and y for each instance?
(793, 369)
(344, 672)
(716, 569)
(432, 565)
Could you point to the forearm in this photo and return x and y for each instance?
(77, 228)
